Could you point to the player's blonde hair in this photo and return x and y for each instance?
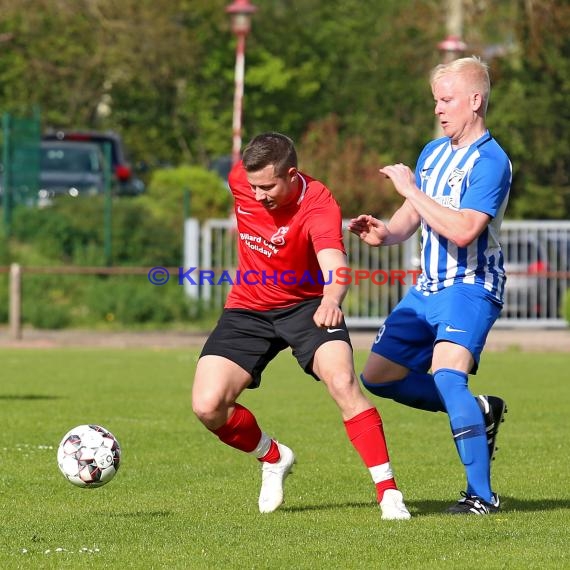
(473, 70)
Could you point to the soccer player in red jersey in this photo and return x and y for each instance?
(290, 245)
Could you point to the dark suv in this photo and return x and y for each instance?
(69, 168)
(125, 182)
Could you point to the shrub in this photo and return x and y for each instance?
(47, 316)
(55, 231)
(146, 231)
(209, 196)
(58, 301)
(45, 302)
(73, 231)
(133, 300)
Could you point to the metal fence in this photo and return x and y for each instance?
(537, 259)
(20, 163)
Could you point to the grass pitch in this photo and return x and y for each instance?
(181, 499)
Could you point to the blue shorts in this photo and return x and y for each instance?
(462, 314)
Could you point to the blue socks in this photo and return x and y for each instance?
(447, 391)
(468, 429)
(416, 390)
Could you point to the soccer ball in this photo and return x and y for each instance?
(89, 456)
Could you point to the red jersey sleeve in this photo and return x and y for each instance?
(325, 224)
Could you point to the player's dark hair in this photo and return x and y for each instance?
(270, 148)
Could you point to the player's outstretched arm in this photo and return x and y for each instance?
(368, 229)
(374, 232)
(329, 313)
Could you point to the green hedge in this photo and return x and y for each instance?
(146, 231)
(59, 301)
(72, 231)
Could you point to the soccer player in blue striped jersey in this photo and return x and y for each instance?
(434, 337)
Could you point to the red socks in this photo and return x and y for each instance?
(364, 430)
(242, 432)
(367, 436)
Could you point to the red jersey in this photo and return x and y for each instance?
(277, 250)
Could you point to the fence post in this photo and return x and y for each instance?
(191, 253)
(15, 301)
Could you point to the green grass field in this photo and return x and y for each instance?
(181, 499)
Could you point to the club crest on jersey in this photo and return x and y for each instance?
(278, 238)
(456, 178)
(425, 173)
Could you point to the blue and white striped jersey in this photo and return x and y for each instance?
(476, 177)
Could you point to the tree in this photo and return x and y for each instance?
(349, 169)
(532, 110)
(162, 73)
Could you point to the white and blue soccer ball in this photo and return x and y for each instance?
(89, 456)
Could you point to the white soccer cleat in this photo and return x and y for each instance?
(393, 507)
(272, 479)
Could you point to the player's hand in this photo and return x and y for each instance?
(328, 314)
(402, 177)
(368, 229)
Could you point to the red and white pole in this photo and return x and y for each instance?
(238, 98)
(240, 12)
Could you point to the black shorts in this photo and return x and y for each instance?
(252, 339)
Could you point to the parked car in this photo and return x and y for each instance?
(527, 292)
(558, 248)
(124, 180)
(69, 168)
